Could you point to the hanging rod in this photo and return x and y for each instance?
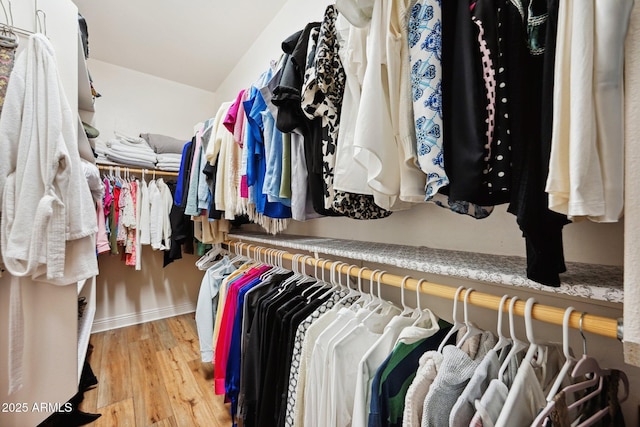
(599, 325)
(134, 170)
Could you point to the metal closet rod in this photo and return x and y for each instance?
(134, 170)
(599, 325)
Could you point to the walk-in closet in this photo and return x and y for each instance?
(289, 213)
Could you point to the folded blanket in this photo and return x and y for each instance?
(140, 148)
(162, 158)
(169, 168)
(131, 139)
(163, 144)
(130, 161)
(133, 154)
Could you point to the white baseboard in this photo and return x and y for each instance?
(115, 322)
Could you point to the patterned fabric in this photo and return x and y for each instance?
(323, 91)
(358, 206)
(294, 373)
(322, 94)
(425, 55)
(497, 175)
(7, 57)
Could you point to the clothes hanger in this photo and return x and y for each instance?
(518, 345)
(570, 361)
(8, 38)
(208, 259)
(422, 314)
(536, 349)
(375, 302)
(363, 296)
(568, 354)
(406, 310)
(322, 282)
(332, 278)
(503, 341)
(352, 292)
(472, 330)
(589, 368)
(385, 304)
(384, 307)
(605, 411)
(456, 323)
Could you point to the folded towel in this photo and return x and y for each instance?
(163, 144)
(130, 161)
(177, 158)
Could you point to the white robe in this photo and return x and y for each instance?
(48, 215)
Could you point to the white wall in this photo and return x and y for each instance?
(293, 16)
(428, 225)
(134, 103)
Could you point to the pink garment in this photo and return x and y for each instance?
(238, 129)
(244, 187)
(102, 240)
(131, 231)
(221, 354)
(232, 114)
(108, 197)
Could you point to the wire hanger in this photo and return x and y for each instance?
(8, 38)
(41, 21)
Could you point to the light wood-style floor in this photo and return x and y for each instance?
(151, 375)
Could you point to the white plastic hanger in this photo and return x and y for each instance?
(472, 330)
(536, 349)
(352, 292)
(422, 315)
(570, 361)
(406, 310)
(503, 340)
(456, 323)
(518, 345)
(566, 349)
(375, 302)
(208, 259)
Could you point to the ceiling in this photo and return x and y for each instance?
(195, 42)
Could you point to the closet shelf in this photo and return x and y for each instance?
(592, 281)
(107, 167)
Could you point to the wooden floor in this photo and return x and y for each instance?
(151, 375)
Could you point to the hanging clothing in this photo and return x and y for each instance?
(207, 305)
(586, 167)
(527, 393)
(35, 243)
(387, 394)
(385, 116)
(425, 47)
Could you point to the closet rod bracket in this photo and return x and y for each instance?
(620, 329)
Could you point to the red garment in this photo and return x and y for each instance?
(226, 326)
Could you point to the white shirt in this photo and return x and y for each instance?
(586, 168)
(344, 360)
(377, 354)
